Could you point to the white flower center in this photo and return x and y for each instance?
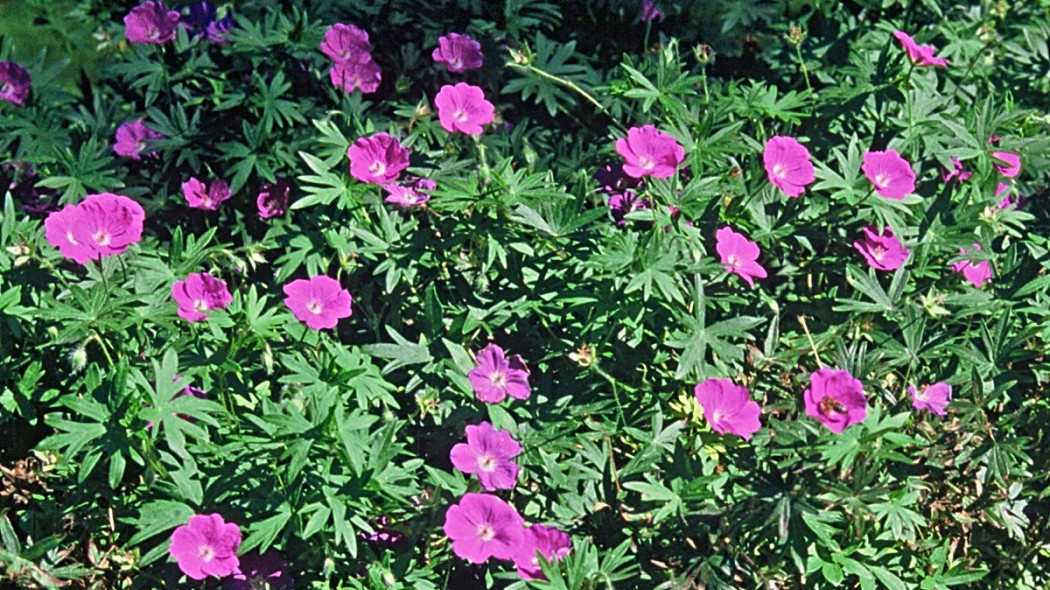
(378, 168)
(646, 162)
(487, 463)
(497, 378)
(72, 240)
(734, 261)
(206, 552)
(718, 416)
(921, 394)
(779, 170)
(882, 180)
(460, 115)
(486, 532)
(7, 88)
(314, 306)
(102, 237)
(200, 305)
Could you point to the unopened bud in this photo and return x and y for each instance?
(796, 36)
(704, 54)
(78, 358)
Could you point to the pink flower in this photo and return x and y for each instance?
(101, 225)
(787, 165)
(200, 292)
(463, 108)
(346, 44)
(458, 53)
(351, 76)
(256, 572)
(377, 159)
(728, 407)
(649, 152)
(836, 398)
(890, 173)
(497, 376)
(651, 12)
(410, 194)
(549, 542)
(488, 453)
(132, 139)
(739, 255)
(319, 302)
(59, 233)
(206, 546)
(622, 204)
(273, 199)
(151, 22)
(483, 526)
(1011, 164)
(931, 397)
(920, 55)
(14, 83)
(978, 273)
(210, 199)
(957, 172)
(882, 252)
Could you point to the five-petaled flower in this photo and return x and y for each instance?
(319, 302)
(377, 159)
(498, 376)
(101, 225)
(132, 137)
(346, 43)
(931, 397)
(787, 165)
(463, 108)
(489, 454)
(198, 293)
(976, 274)
(206, 546)
(728, 407)
(836, 399)
(920, 55)
(458, 53)
(14, 82)
(890, 173)
(882, 252)
(739, 255)
(151, 22)
(483, 526)
(549, 542)
(209, 198)
(647, 151)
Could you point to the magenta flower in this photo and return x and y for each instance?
(623, 203)
(549, 542)
(498, 376)
(787, 165)
(836, 398)
(273, 199)
(151, 22)
(378, 159)
(346, 43)
(1010, 166)
(890, 173)
(351, 76)
(458, 53)
(651, 12)
(739, 255)
(59, 227)
(257, 572)
(489, 454)
(649, 152)
(978, 273)
(14, 83)
(882, 252)
(206, 546)
(210, 199)
(483, 526)
(957, 172)
(728, 407)
(132, 139)
(410, 194)
(463, 108)
(319, 302)
(612, 179)
(931, 397)
(200, 292)
(101, 225)
(920, 55)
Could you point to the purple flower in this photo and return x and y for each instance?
(378, 159)
(836, 399)
(648, 151)
(622, 204)
(206, 546)
(549, 542)
(882, 252)
(498, 376)
(651, 12)
(151, 22)
(488, 453)
(728, 407)
(483, 526)
(410, 194)
(319, 302)
(14, 82)
(21, 181)
(463, 108)
(739, 255)
(978, 273)
(931, 397)
(346, 43)
(1009, 164)
(458, 53)
(198, 16)
(787, 165)
(210, 199)
(132, 138)
(217, 30)
(101, 225)
(200, 292)
(351, 76)
(920, 55)
(273, 199)
(957, 172)
(612, 179)
(890, 173)
(268, 571)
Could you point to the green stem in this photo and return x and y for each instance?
(802, 66)
(616, 393)
(568, 84)
(911, 116)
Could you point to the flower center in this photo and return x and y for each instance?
(378, 168)
(140, 145)
(498, 378)
(877, 252)
(734, 261)
(779, 170)
(456, 63)
(830, 406)
(646, 162)
(102, 237)
(921, 394)
(200, 305)
(72, 240)
(206, 552)
(7, 88)
(460, 115)
(718, 416)
(153, 32)
(486, 532)
(487, 463)
(882, 180)
(314, 306)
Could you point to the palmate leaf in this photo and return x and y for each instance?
(169, 410)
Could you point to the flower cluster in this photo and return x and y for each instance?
(351, 54)
(99, 226)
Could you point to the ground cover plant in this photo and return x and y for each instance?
(564, 295)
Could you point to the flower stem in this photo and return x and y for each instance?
(812, 346)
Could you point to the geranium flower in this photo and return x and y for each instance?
(463, 108)
(268, 571)
(957, 172)
(623, 203)
(346, 43)
(890, 173)
(151, 22)
(273, 199)
(198, 293)
(651, 12)
(410, 194)
(377, 159)
(489, 454)
(728, 407)
(206, 546)
(483, 526)
(1010, 166)
(132, 138)
(739, 255)
(882, 252)
(836, 399)
(920, 55)
(649, 152)
(201, 20)
(14, 83)
(210, 199)
(351, 76)
(931, 397)
(978, 273)
(612, 179)
(498, 376)
(101, 225)
(787, 165)
(458, 53)
(319, 302)
(538, 540)
(59, 233)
